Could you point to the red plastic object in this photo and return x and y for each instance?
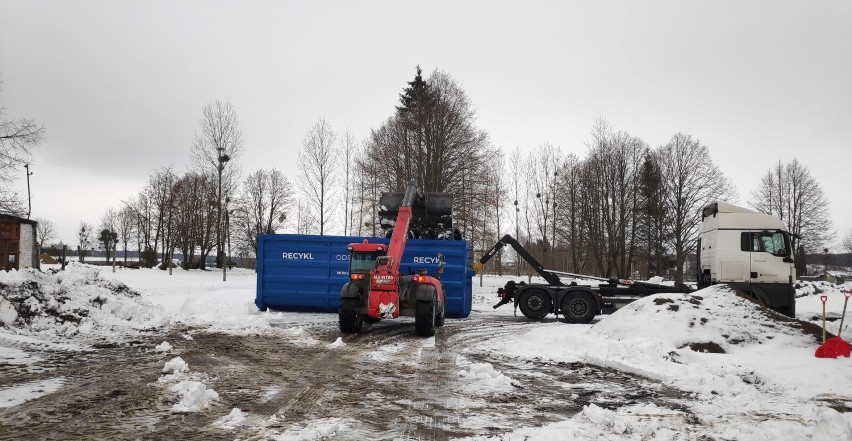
(833, 348)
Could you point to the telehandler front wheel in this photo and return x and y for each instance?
(424, 318)
(349, 317)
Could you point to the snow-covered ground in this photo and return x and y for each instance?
(750, 375)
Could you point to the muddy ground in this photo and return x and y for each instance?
(412, 391)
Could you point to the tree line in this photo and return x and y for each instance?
(619, 208)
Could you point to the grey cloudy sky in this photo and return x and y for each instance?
(120, 85)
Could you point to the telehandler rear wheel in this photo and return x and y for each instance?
(424, 318)
(350, 319)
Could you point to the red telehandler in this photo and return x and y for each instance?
(377, 290)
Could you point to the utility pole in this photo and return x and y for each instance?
(29, 198)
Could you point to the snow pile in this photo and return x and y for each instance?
(300, 336)
(714, 341)
(202, 299)
(337, 344)
(809, 305)
(727, 352)
(316, 430)
(175, 365)
(73, 302)
(648, 421)
(194, 396)
(808, 288)
(481, 378)
(711, 320)
(230, 421)
(163, 347)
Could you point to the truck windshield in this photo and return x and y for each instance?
(362, 262)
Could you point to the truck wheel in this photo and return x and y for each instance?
(424, 318)
(535, 304)
(439, 319)
(350, 319)
(579, 307)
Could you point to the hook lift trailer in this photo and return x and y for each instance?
(577, 303)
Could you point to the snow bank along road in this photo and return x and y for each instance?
(86, 356)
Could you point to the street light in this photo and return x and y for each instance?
(29, 197)
(222, 159)
(517, 237)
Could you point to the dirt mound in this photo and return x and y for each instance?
(47, 259)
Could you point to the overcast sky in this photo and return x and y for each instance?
(120, 86)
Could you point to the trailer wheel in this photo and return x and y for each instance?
(424, 318)
(534, 304)
(350, 319)
(579, 307)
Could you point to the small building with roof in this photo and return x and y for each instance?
(18, 244)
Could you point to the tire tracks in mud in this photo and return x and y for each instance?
(95, 394)
(383, 383)
(547, 391)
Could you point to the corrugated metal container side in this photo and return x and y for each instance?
(305, 272)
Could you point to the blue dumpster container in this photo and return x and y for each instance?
(297, 272)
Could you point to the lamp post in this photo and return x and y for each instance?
(517, 237)
(222, 160)
(29, 197)
(226, 236)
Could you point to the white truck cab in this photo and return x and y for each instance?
(749, 251)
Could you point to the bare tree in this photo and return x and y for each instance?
(17, 139)
(108, 236)
(125, 227)
(318, 164)
(160, 186)
(610, 188)
(570, 210)
(791, 193)
(214, 151)
(45, 231)
(265, 199)
(143, 210)
(496, 199)
(192, 196)
(348, 151)
(84, 240)
(691, 180)
(846, 243)
(518, 188)
(370, 186)
(542, 174)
